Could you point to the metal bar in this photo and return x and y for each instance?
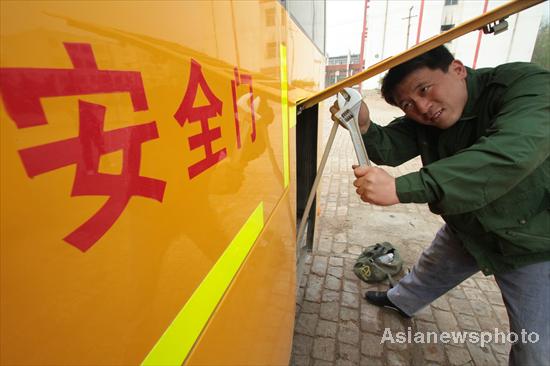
(316, 182)
(498, 13)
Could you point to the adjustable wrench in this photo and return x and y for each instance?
(349, 102)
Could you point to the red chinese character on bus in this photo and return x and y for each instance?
(22, 89)
(187, 112)
(243, 79)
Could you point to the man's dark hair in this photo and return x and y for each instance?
(438, 58)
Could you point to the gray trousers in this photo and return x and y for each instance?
(525, 291)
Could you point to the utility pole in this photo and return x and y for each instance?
(385, 27)
(409, 25)
(363, 39)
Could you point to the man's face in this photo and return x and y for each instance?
(434, 97)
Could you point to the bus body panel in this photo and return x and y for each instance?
(137, 139)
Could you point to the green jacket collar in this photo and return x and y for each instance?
(472, 85)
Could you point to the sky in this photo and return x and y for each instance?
(344, 26)
(345, 23)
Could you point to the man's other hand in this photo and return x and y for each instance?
(375, 186)
(364, 116)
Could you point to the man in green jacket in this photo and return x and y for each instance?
(484, 139)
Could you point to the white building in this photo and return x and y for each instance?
(390, 21)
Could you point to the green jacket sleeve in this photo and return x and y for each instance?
(517, 142)
(393, 144)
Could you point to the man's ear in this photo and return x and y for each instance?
(458, 68)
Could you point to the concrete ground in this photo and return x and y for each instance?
(335, 325)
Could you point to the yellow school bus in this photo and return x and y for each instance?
(148, 179)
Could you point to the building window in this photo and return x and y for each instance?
(446, 27)
(451, 2)
(343, 60)
(338, 60)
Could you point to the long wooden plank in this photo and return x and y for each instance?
(477, 23)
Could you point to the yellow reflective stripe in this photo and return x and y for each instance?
(284, 115)
(292, 115)
(178, 340)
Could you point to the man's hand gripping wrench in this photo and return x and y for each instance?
(349, 103)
